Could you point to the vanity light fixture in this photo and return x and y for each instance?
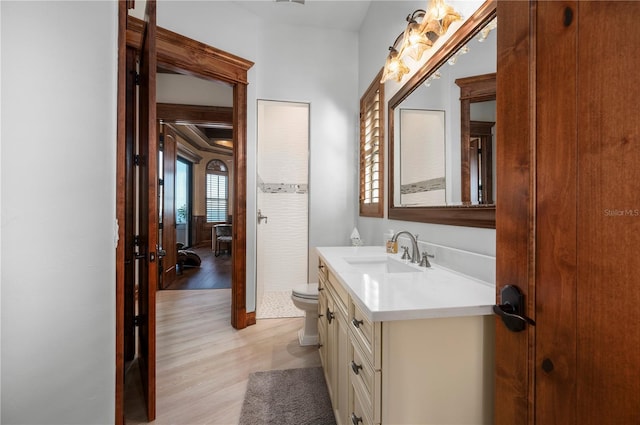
(423, 29)
(416, 41)
(394, 67)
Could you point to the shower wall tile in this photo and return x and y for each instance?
(283, 240)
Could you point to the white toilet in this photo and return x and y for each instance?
(305, 297)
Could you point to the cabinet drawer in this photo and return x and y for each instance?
(363, 376)
(359, 407)
(366, 333)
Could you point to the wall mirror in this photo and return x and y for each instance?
(441, 131)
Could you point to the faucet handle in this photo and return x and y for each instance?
(425, 261)
(405, 254)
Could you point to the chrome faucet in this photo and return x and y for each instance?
(415, 252)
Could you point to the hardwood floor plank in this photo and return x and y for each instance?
(203, 364)
(213, 272)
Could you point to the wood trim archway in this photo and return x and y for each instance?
(187, 56)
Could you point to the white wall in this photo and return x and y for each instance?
(385, 20)
(58, 211)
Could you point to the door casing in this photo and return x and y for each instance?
(176, 52)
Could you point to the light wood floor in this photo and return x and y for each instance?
(203, 363)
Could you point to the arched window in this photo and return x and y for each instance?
(217, 191)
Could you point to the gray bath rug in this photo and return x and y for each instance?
(287, 397)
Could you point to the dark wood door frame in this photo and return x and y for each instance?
(186, 56)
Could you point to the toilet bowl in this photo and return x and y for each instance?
(305, 297)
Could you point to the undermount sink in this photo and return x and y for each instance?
(378, 265)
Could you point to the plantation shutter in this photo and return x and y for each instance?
(372, 150)
(217, 195)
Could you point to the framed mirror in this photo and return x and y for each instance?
(441, 131)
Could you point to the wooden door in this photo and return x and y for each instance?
(167, 237)
(569, 212)
(148, 211)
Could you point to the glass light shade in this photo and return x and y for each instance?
(415, 42)
(438, 9)
(394, 67)
(439, 17)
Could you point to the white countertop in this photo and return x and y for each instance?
(434, 292)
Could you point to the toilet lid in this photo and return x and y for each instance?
(306, 290)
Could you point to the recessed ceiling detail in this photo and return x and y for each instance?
(203, 128)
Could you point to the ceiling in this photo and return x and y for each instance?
(346, 15)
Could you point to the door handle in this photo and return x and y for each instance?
(511, 309)
(262, 217)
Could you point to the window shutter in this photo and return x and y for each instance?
(372, 150)
(217, 196)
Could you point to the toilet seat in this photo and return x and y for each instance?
(306, 291)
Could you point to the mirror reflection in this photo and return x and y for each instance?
(443, 136)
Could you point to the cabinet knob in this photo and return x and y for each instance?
(356, 322)
(354, 419)
(330, 315)
(355, 367)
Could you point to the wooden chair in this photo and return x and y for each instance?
(223, 235)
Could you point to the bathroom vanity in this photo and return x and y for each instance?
(403, 344)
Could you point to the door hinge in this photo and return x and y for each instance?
(136, 79)
(160, 226)
(136, 240)
(139, 320)
(143, 256)
(160, 182)
(138, 160)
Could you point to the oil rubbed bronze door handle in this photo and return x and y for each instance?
(511, 309)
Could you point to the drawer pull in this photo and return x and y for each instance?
(356, 322)
(354, 419)
(355, 367)
(330, 315)
(321, 267)
(320, 288)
